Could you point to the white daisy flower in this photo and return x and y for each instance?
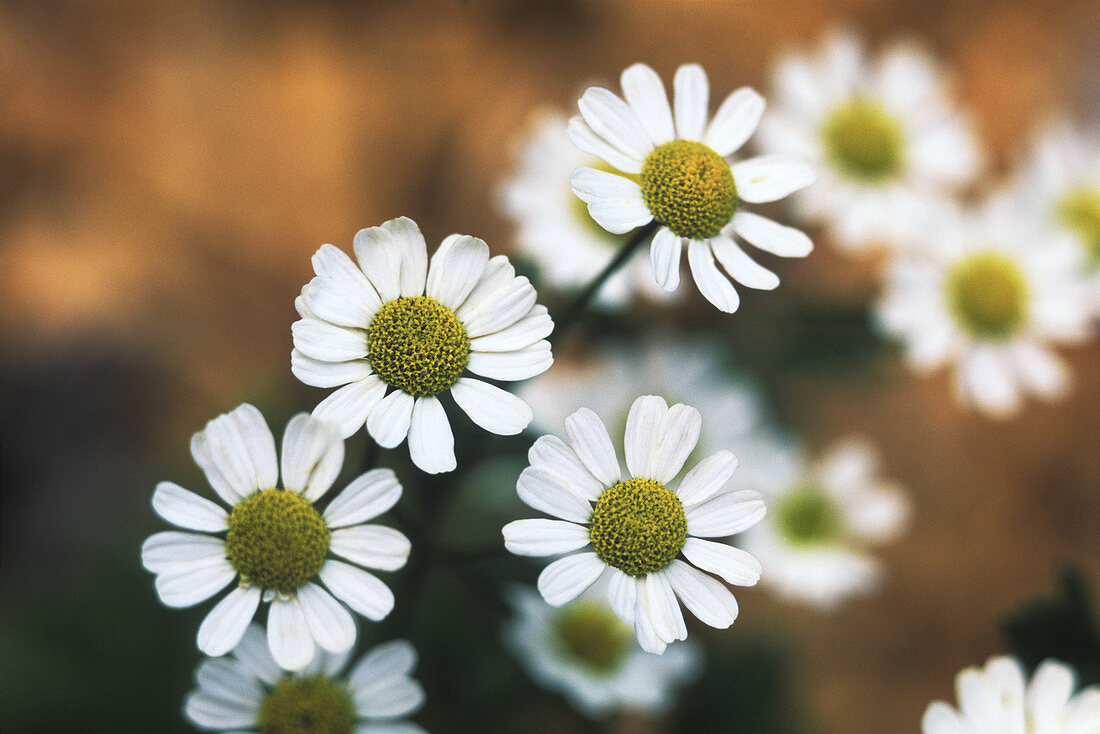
(554, 228)
(998, 699)
(673, 170)
(275, 541)
(816, 542)
(396, 333)
(248, 693)
(883, 135)
(588, 654)
(989, 290)
(638, 528)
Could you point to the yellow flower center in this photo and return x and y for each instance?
(638, 526)
(863, 141)
(276, 540)
(988, 295)
(807, 516)
(689, 188)
(1080, 212)
(417, 345)
(589, 632)
(311, 705)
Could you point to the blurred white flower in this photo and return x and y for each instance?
(989, 290)
(275, 540)
(882, 133)
(816, 541)
(248, 693)
(998, 699)
(393, 321)
(674, 170)
(585, 651)
(637, 527)
(553, 226)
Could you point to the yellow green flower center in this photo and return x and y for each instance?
(589, 632)
(638, 526)
(988, 295)
(807, 515)
(689, 188)
(276, 540)
(311, 705)
(1080, 212)
(580, 208)
(417, 345)
(864, 141)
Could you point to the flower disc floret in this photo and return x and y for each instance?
(310, 705)
(988, 295)
(591, 633)
(276, 540)
(638, 526)
(418, 345)
(689, 188)
(1080, 212)
(864, 141)
(808, 516)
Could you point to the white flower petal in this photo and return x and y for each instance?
(643, 430)
(254, 652)
(495, 410)
(327, 342)
(186, 586)
(318, 373)
(704, 596)
(1051, 687)
(619, 216)
(648, 639)
(714, 286)
(566, 578)
(520, 364)
(237, 452)
(592, 184)
(312, 456)
(390, 727)
(288, 634)
(383, 663)
(770, 236)
(986, 379)
(349, 406)
(540, 537)
(546, 492)
(1043, 373)
(771, 177)
(345, 280)
(364, 592)
(216, 713)
(554, 456)
(741, 267)
(327, 301)
(734, 565)
(646, 96)
(502, 308)
(726, 514)
(656, 600)
(735, 121)
(388, 422)
(939, 718)
(676, 439)
(588, 141)
(622, 594)
(414, 254)
(379, 257)
(455, 271)
(664, 253)
(431, 443)
(692, 96)
(612, 120)
(188, 510)
(367, 497)
(172, 550)
(224, 626)
(393, 697)
(533, 327)
(329, 622)
(372, 546)
(230, 681)
(706, 478)
(589, 439)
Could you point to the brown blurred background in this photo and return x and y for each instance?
(168, 168)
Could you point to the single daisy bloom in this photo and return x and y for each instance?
(396, 332)
(998, 699)
(272, 543)
(588, 654)
(646, 538)
(675, 170)
(882, 133)
(989, 290)
(248, 693)
(825, 520)
(553, 227)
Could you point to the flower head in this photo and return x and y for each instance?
(644, 537)
(674, 169)
(276, 542)
(882, 133)
(247, 692)
(396, 333)
(998, 698)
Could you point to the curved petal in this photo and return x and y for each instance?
(646, 96)
(254, 652)
(622, 594)
(544, 491)
(393, 697)
(216, 713)
(241, 446)
(431, 443)
(349, 406)
(771, 177)
(372, 546)
(664, 253)
(288, 634)
(312, 456)
(588, 141)
(613, 120)
(367, 497)
(172, 550)
(714, 286)
(676, 439)
(380, 259)
(383, 663)
(501, 309)
(735, 121)
(592, 184)
(414, 254)
(619, 216)
(364, 592)
(566, 578)
(588, 437)
(230, 681)
(455, 269)
(726, 514)
(770, 236)
(388, 422)
(553, 455)
(318, 373)
(333, 264)
(643, 430)
(741, 267)
(188, 510)
(706, 478)
(692, 96)
(540, 537)
(520, 364)
(529, 329)
(224, 626)
(328, 342)
(734, 565)
(704, 596)
(327, 300)
(656, 600)
(187, 586)
(495, 410)
(329, 622)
